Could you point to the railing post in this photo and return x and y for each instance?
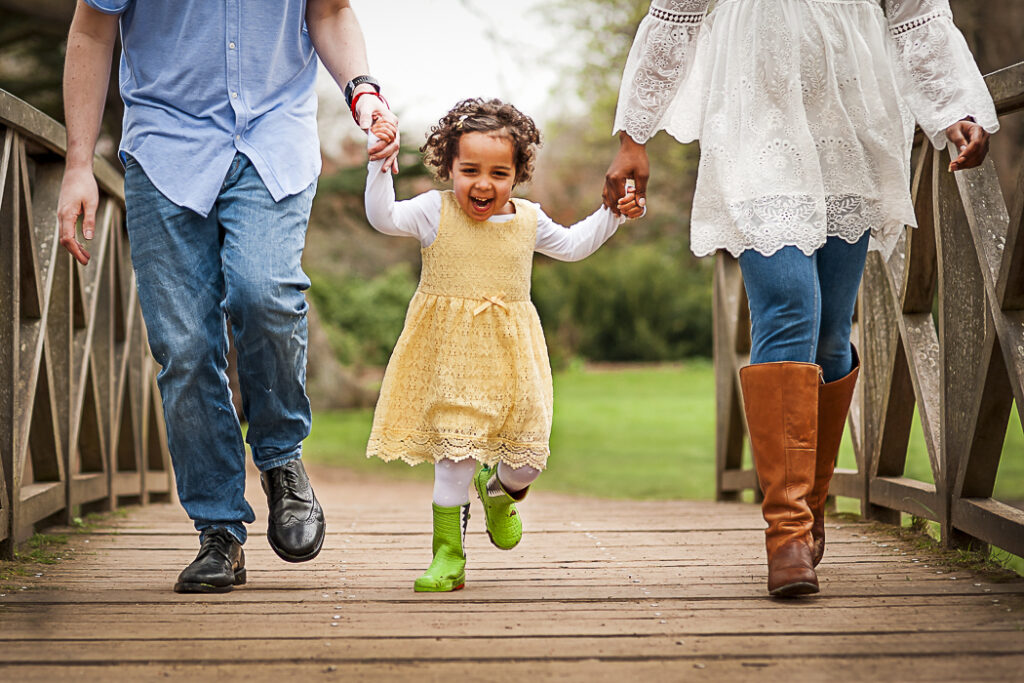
(9, 342)
(963, 317)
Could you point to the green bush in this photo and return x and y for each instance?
(637, 303)
(363, 318)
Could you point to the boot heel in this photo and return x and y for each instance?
(240, 577)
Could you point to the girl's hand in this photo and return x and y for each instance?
(385, 130)
(369, 110)
(630, 206)
(972, 142)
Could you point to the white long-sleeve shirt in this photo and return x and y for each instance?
(420, 217)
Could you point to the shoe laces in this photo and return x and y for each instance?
(216, 540)
(284, 479)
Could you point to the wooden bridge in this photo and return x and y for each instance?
(599, 588)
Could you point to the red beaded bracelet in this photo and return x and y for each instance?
(355, 99)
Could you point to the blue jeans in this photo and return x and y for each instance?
(801, 307)
(243, 263)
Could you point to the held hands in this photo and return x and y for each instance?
(79, 196)
(630, 205)
(370, 111)
(386, 131)
(630, 164)
(972, 142)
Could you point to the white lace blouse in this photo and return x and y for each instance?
(804, 110)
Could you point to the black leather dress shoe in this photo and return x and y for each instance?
(296, 521)
(219, 565)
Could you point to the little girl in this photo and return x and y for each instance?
(469, 378)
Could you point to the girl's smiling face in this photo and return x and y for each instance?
(483, 174)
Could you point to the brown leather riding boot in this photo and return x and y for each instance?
(781, 403)
(833, 407)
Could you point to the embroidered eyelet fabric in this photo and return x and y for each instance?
(469, 376)
(804, 110)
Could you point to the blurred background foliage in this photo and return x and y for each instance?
(642, 297)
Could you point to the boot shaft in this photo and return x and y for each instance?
(781, 404)
(450, 528)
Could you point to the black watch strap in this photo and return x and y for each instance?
(355, 83)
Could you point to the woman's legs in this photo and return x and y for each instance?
(840, 267)
(801, 309)
(785, 305)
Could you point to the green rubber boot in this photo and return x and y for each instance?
(504, 527)
(448, 570)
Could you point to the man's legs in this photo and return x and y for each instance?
(265, 301)
(176, 256)
(264, 284)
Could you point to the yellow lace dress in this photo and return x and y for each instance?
(469, 376)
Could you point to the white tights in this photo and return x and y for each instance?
(452, 479)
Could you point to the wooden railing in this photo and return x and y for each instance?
(81, 426)
(940, 326)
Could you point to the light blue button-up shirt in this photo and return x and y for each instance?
(204, 79)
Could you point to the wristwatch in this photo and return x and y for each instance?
(356, 82)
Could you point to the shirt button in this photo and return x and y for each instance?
(231, 45)
(238, 137)
(234, 94)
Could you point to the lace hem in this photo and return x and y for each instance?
(767, 224)
(415, 447)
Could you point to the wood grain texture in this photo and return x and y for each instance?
(598, 590)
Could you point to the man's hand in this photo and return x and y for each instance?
(86, 74)
(972, 142)
(630, 162)
(370, 109)
(79, 196)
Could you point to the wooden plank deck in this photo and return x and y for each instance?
(598, 590)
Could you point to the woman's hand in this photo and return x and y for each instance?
(630, 162)
(972, 142)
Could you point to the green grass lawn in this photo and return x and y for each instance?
(645, 432)
(638, 432)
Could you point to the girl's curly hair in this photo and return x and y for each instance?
(482, 116)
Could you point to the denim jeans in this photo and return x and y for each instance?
(801, 307)
(243, 263)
